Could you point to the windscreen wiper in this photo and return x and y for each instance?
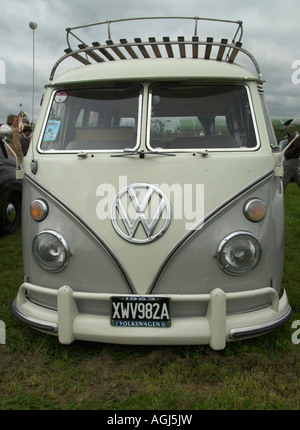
(141, 153)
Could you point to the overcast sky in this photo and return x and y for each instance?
(271, 34)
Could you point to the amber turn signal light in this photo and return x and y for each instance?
(39, 210)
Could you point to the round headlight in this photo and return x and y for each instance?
(239, 253)
(50, 250)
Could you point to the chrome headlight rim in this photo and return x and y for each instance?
(229, 269)
(64, 249)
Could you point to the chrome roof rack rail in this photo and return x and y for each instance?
(123, 50)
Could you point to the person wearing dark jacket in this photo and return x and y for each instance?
(25, 138)
(291, 163)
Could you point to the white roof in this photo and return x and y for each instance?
(162, 68)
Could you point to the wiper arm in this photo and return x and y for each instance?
(142, 153)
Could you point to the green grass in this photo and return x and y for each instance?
(37, 373)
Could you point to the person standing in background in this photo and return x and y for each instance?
(291, 162)
(25, 139)
(13, 122)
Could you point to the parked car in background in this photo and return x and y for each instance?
(10, 193)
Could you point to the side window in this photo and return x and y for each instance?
(88, 118)
(221, 128)
(269, 125)
(80, 118)
(93, 119)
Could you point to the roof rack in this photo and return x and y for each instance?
(123, 50)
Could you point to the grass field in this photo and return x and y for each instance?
(37, 373)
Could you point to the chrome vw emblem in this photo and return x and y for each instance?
(141, 213)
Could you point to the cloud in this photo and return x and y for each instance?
(271, 34)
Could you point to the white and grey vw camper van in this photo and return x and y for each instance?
(152, 196)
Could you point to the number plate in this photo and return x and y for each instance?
(127, 311)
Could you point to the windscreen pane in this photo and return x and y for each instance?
(201, 116)
(93, 119)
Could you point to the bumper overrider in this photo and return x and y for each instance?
(215, 328)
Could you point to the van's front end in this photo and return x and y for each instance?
(153, 207)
